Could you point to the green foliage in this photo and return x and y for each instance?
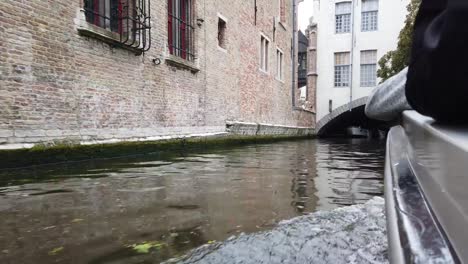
(395, 61)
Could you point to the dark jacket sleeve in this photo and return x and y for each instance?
(388, 100)
(437, 83)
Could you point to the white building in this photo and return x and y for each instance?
(352, 36)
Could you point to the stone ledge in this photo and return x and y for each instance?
(243, 128)
(13, 139)
(42, 155)
(181, 63)
(305, 110)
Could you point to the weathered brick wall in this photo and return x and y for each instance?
(56, 84)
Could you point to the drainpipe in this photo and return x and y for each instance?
(353, 39)
(294, 52)
(294, 61)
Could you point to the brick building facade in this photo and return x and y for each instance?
(63, 77)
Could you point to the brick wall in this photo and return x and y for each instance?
(56, 84)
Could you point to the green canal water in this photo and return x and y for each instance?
(145, 209)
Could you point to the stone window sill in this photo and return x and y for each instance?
(283, 25)
(262, 71)
(297, 108)
(222, 49)
(87, 29)
(181, 63)
(279, 80)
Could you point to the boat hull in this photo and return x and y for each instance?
(417, 230)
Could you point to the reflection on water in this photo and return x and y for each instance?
(349, 171)
(147, 209)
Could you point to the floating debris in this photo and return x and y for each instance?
(145, 247)
(55, 251)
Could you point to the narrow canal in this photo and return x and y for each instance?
(146, 209)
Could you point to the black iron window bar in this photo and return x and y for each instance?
(302, 69)
(181, 29)
(130, 19)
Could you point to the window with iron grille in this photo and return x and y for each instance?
(264, 53)
(302, 69)
(302, 57)
(343, 17)
(368, 68)
(180, 29)
(370, 15)
(279, 66)
(128, 19)
(342, 69)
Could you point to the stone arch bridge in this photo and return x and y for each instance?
(350, 114)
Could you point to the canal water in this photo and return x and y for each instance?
(148, 209)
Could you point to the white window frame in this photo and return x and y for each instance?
(264, 53)
(279, 64)
(367, 80)
(344, 70)
(370, 17)
(343, 20)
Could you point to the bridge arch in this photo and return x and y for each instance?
(354, 109)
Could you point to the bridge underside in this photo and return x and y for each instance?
(336, 123)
